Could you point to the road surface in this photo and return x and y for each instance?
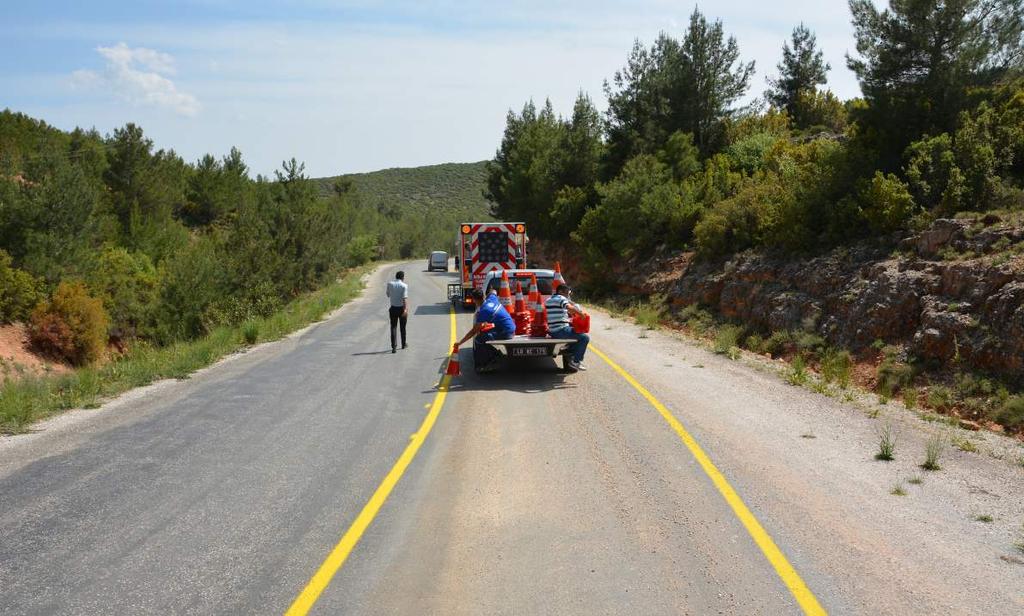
(535, 492)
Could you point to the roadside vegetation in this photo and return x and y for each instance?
(116, 254)
(30, 399)
(677, 164)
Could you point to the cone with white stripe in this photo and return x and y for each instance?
(505, 292)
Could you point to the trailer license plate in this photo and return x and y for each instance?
(530, 351)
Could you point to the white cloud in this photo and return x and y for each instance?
(123, 55)
(137, 76)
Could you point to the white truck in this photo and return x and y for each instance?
(520, 346)
(482, 248)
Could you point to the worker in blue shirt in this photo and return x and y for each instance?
(504, 328)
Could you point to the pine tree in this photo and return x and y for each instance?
(801, 71)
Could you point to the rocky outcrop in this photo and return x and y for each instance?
(967, 309)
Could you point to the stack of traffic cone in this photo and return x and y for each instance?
(539, 319)
(558, 276)
(504, 292)
(521, 313)
(453, 362)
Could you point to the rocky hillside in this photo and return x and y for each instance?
(949, 299)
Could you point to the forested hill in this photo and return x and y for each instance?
(452, 188)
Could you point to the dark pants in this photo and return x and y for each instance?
(397, 317)
(483, 353)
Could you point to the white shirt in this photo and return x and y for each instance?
(398, 291)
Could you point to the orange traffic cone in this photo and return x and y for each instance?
(534, 295)
(520, 305)
(521, 314)
(504, 292)
(539, 325)
(453, 363)
(558, 276)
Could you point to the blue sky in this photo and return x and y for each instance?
(351, 85)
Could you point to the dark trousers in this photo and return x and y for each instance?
(397, 316)
(483, 353)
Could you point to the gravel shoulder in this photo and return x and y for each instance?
(827, 501)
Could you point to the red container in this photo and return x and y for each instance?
(581, 324)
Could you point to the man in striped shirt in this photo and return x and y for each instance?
(560, 308)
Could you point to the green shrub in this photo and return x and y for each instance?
(735, 224)
(808, 343)
(361, 249)
(1011, 414)
(697, 319)
(888, 204)
(892, 375)
(798, 372)
(649, 313)
(756, 343)
(940, 398)
(835, 367)
(251, 332)
(778, 343)
(727, 338)
(128, 285)
(71, 325)
(19, 291)
(195, 281)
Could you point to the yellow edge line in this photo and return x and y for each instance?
(803, 595)
(334, 561)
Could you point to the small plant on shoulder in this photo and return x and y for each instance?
(649, 314)
(892, 374)
(910, 398)
(697, 319)
(982, 517)
(940, 398)
(933, 449)
(726, 340)
(1011, 413)
(964, 444)
(897, 489)
(808, 435)
(797, 372)
(886, 443)
(835, 367)
(916, 481)
(251, 332)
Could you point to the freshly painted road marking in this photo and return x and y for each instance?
(334, 561)
(803, 595)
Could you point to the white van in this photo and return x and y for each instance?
(438, 261)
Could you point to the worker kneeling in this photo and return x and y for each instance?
(492, 322)
(559, 308)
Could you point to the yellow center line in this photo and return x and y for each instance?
(334, 561)
(803, 595)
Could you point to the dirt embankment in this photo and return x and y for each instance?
(16, 357)
(951, 296)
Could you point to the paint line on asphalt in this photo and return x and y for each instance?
(336, 559)
(803, 595)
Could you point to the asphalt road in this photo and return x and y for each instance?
(535, 491)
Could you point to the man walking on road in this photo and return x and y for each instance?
(398, 292)
(559, 308)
